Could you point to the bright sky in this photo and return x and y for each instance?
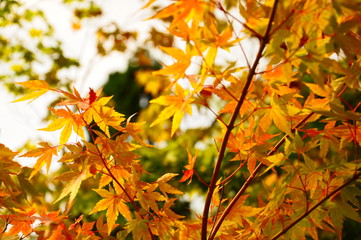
(19, 121)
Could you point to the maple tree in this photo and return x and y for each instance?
(278, 158)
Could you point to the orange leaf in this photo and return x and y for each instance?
(139, 229)
(114, 205)
(68, 121)
(102, 115)
(190, 167)
(45, 154)
(39, 87)
(165, 187)
(180, 66)
(176, 106)
(72, 186)
(35, 84)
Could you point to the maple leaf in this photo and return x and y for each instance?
(148, 199)
(276, 115)
(176, 106)
(280, 74)
(102, 228)
(22, 221)
(51, 217)
(139, 229)
(39, 87)
(102, 115)
(114, 205)
(72, 187)
(57, 234)
(75, 98)
(183, 10)
(275, 160)
(165, 187)
(222, 40)
(45, 154)
(240, 143)
(7, 163)
(168, 211)
(190, 168)
(133, 129)
(68, 121)
(242, 211)
(179, 68)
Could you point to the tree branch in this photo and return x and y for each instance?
(231, 123)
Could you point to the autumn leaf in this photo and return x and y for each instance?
(190, 168)
(74, 180)
(148, 199)
(75, 98)
(176, 106)
(318, 90)
(183, 10)
(102, 228)
(165, 187)
(102, 115)
(133, 128)
(22, 221)
(276, 115)
(114, 205)
(139, 229)
(38, 87)
(274, 160)
(45, 154)
(68, 122)
(168, 211)
(183, 60)
(57, 234)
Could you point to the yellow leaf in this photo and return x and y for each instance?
(68, 121)
(169, 211)
(183, 60)
(275, 160)
(177, 119)
(166, 177)
(114, 205)
(279, 118)
(248, 211)
(39, 87)
(102, 115)
(45, 154)
(35, 84)
(139, 229)
(31, 96)
(318, 90)
(72, 187)
(176, 106)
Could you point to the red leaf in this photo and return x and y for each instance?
(92, 96)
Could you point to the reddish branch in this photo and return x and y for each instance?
(263, 42)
